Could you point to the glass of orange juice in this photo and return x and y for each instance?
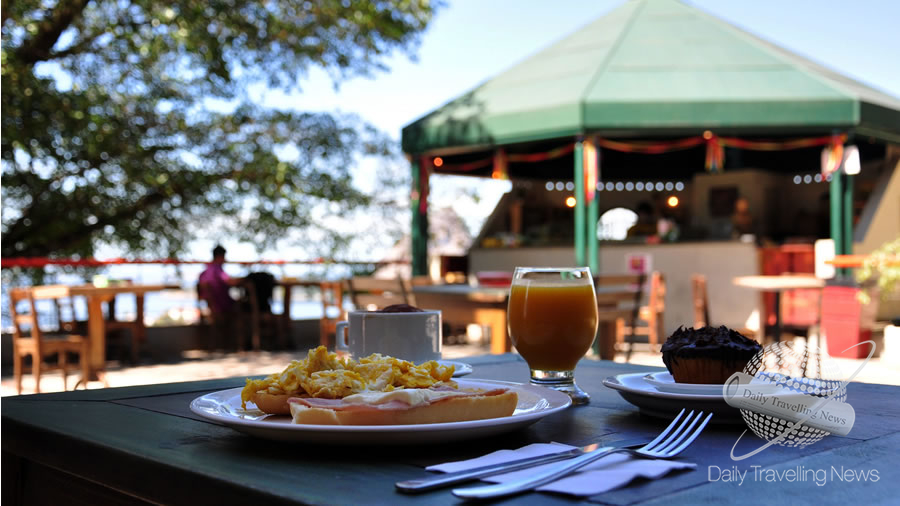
(552, 320)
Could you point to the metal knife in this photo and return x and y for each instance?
(442, 480)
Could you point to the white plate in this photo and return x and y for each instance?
(460, 369)
(635, 389)
(535, 403)
(664, 382)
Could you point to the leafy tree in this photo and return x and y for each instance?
(129, 122)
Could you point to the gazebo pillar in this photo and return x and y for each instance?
(592, 175)
(580, 231)
(586, 205)
(419, 208)
(847, 198)
(841, 196)
(837, 228)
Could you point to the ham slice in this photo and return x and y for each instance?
(395, 405)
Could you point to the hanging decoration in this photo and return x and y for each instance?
(714, 161)
(810, 142)
(591, 162)
(648, 147)
(467, 167)
(715, 152)
(501, 166)
(540, 157)
(515, 158)
(833, 155)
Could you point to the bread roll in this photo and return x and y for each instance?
(274, 404)
(452, 409)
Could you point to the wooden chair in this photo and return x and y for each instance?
(39, 346)
(701, 301)
(114, 329)
(654, 312)
(700, 297)
(258, 312)
(220, 331)
(332, 293)
(368, 293)
(618, 302)
(649, 320)
(66, 321)
(206, 321)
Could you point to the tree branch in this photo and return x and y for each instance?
(38, 48)
(74, 235)
(73, 49)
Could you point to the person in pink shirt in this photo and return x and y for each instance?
(214, 284)
(213, 287)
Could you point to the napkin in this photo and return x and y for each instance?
(609, 473)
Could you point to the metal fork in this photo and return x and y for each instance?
(668, 444)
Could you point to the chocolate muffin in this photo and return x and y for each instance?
(707, 355)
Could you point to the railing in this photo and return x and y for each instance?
(37, 262)
(155, 302)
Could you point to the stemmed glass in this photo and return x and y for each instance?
(552, 323)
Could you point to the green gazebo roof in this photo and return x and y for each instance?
(650, 68)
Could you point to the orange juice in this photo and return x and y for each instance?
(552, 325)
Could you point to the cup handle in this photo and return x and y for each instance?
(340, 337)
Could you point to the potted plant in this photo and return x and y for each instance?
(879, 276)
(880, 272)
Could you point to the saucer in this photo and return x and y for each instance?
(635, 389)
(664, 382)
(460, 369)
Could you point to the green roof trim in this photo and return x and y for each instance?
(656, 67)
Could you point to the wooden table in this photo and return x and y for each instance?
(288, 284)
(608, 319)
(95, 297)
(483, 305)
(615, 304)
(778, 284)
(283, 321)
(143, 444)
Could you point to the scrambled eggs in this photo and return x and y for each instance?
(323, 374)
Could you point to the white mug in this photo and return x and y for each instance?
(415, 337)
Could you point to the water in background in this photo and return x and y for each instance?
(180, 307)
(170, 307)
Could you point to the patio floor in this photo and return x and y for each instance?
(200, 365)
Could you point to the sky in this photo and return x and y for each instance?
(470, 41)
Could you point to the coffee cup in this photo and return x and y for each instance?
(414, 336)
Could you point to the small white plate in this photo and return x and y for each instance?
(664, 382)
(535, 403)
(635, 389)
(460, 369)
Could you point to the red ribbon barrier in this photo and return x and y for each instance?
(37, 262)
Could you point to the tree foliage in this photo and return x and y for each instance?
(129, 122)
